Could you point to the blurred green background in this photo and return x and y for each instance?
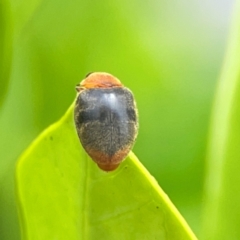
(169, 53)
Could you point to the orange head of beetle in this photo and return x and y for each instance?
(98, 80)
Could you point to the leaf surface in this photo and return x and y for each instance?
(5, 48)
(62, 194)
(222, 209)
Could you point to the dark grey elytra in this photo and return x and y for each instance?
(107, 123)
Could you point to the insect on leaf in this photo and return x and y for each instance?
(62, 194)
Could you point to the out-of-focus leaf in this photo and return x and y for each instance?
(222, 210)
(5, 47)
(62, 194)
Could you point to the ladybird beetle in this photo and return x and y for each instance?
(106, 119)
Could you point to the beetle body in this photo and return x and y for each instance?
(106, 119)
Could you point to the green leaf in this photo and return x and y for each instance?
(222, 208)
(5, 47)
(62, 194)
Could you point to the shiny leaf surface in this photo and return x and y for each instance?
(62, 194)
